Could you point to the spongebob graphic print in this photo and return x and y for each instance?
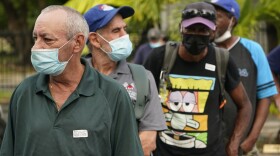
(183, 104)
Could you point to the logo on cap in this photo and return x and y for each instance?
(105, 7)
(232, 10)
(214, 1)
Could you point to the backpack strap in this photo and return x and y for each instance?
(222, 56)
(142, 85)
(170, 54)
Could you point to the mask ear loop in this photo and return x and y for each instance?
(102, 37)
(105, 41)
(230, 24)
(63, 46)
(66, 42)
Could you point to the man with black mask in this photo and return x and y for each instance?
(191, 98)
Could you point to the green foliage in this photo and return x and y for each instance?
(3, 19)
(5, 46)
(252, 13)
(147, 14)
(273, 109)
(24, 10)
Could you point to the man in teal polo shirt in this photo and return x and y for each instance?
(68, 108)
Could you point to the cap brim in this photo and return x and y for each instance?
(125, 11)
(195, 20)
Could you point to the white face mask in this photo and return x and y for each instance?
(155, 45)
(46, 61)
(121, 48)
(226, 35)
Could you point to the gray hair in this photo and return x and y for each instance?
(75, 22)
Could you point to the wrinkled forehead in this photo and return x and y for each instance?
(51, 22)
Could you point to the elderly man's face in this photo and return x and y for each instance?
(49, 32)
(116, 28)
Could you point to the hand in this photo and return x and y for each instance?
(232, 150)
(247, 145)
(148, 141)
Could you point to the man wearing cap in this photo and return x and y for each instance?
(191, 103)
(56, 112)
(253, 69)
(110, 46)
(155, 39)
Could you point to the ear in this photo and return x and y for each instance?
(234, 21)
(79, 43)
(94, 40)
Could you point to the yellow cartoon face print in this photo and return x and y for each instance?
(184, 106)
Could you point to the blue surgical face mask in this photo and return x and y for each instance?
(121, 48)
(155, 45)
(46, 61)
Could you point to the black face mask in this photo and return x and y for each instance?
(195, 44)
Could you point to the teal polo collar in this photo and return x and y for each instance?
(86, 87)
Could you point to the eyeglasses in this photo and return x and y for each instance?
(190, 13)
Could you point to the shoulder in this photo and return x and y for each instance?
(107, 83)
(251, 45)
(144, 46)
(274, 53)
(158, 52)
(149, 74)
(156, 56)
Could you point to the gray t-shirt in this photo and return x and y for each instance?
(153, 118)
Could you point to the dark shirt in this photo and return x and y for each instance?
(97, 119)
(191, 105)
(274, 60)
(142, 53)
(256, 78)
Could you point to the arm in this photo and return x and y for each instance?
(260, 117)
(153, 119)
(148, 141)
(124, 132)
(240, 98)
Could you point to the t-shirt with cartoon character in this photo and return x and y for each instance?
(191, 104)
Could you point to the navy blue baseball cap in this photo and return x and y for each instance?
(100, 15)
(230, 6)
